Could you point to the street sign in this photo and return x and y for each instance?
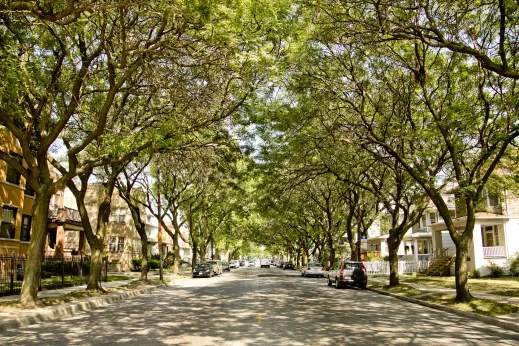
(364, 243)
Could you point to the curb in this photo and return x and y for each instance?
(70, 309)
(471, 315)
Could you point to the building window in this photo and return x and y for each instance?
(490, 236)
(423, 221)
(137, 245)
(8, 223)
(491, 198)
(118, 215)
(25, 233)
(433, 218)
(116, 244)
(12, 174)
(28, 189)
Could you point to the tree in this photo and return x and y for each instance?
(68, 77)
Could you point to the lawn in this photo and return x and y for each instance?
(55, 281)
(506, 286)
(479, 306)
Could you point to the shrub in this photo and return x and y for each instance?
(137, 262)
(495, 270)
(385, 258)
(476, 274)
(51, 267)
(514, 265)
(154, 264)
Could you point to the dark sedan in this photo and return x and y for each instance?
(203, 270)
(289, 265)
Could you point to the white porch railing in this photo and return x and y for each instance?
(494, 251)
(383, 267)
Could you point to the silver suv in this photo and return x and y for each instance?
(348, 273)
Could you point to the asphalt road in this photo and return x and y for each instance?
(253, 306)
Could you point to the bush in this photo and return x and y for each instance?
(137, 262)
(385, 258)
(495, 270)
(51, 267)
(154, 264)
(476, 274)
(514, 265)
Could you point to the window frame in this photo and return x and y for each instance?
(493, 232)
(115, 244)
(23, 228)
(10, 170)
(13, 231)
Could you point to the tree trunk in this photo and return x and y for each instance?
(94, 280)
(96, 262)
(194, 259)
(393, 243)
(202, 252)
(462, 289)
(144, 262)
(31, 281)
(393, 262)
(176, 253)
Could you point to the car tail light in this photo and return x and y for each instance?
(364, 268)
(322, 269)
(308, 268)
(342, 270)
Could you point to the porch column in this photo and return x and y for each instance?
(415, 241)
(436, 241)
(60, 240)
(477, 260)
(82, 243)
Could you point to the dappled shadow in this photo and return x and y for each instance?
(254, 307)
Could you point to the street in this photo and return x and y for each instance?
(253, 306)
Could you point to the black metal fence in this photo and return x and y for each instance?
(56, 272)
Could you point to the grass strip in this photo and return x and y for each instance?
(477, 305)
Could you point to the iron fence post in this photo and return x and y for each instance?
(13, 266)
(106, 269)
(62, 270)
(81, 269)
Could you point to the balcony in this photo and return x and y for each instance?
(494, 251)
(57, 214)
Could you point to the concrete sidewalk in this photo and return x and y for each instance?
(510, 321)
(11, 317)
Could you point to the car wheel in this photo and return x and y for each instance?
(302, 274)
(363, 285)
(329, 281)
(337, 283)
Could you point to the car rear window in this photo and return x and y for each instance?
(315, 265)
(351, 265)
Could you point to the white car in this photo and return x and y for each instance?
(234, 264)
(313, 269)
(265, 263)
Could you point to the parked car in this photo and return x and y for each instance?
(242, 264)
(281, 264)
(235, 264)
(313, 269)
(265, 263)
(289, 265)
(252, 264)
(217, 266)
(203, 270)
(226, 266)
(348, 273)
